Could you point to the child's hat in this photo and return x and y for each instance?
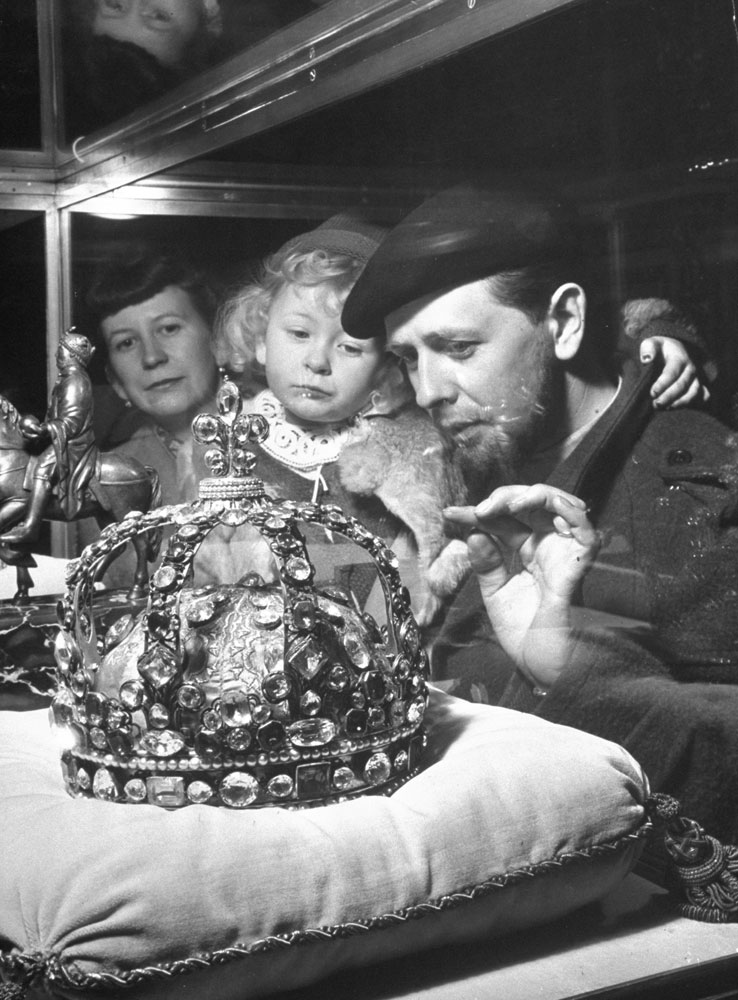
(348, 233)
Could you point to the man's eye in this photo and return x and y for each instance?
(115, 6)
(458, 348)
(169, 329)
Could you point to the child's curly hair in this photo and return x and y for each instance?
(242, 319)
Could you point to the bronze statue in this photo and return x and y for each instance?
(68, 479)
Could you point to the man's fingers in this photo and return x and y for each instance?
(511, 512)
(487, 561)
(485, 554)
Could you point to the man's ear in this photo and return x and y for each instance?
(566, 315)
(117, 387)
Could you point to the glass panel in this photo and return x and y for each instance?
(641, 84)
(120, 54)
(23, 311)
(20, 101)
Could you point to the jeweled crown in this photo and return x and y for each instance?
(250, 694)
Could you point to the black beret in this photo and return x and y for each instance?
(458, 236)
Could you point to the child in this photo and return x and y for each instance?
(344, 427)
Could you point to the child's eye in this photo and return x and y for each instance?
(353, 350)
(115, 6)
(299, 334)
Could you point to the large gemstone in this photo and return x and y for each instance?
(190, 696)
(164, 578)
(311, 732)
(280, 786)
(298, 569)
(310, 703)
(159, 716)
(373, 684)
(356, 650)
(238, 739)
(199, 792)
(158, 666)
(132, 694)
(276, 686)
(104, 785)
(163, 743)
(118, 631)
(307, 656)
(356, 722)
(239, 790)
(271, 735)
(229, 401)
(166, 790)
(235, 708)
(313, 780)
(377, 769)
(344, 779)
(135, 790)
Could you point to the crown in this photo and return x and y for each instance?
(247, 694)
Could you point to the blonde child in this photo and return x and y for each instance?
(343, 424)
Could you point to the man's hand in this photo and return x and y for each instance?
(530, 546)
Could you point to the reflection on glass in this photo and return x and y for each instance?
(120, 54)
(20, 97)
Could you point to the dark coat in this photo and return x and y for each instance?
(661, 617)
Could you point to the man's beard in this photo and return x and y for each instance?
(492, 452)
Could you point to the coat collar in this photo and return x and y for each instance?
(590, 468)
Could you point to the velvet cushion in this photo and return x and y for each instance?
(512, 821)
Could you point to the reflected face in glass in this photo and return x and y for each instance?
(164, 28)
(318, 372)
(160, 358)
(482, 369)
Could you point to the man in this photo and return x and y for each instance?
(68, 462)
(482, 294)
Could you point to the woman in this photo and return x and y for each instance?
(155, 316)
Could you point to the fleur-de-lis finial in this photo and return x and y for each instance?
(229, 433)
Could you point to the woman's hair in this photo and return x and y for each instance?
(243, 318)
(128, 281)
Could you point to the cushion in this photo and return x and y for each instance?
(512, 821)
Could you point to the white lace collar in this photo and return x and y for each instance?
(299, 449)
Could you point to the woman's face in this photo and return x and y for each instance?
(160, 358)
(164, 28)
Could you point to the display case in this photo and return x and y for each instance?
(290, 111)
